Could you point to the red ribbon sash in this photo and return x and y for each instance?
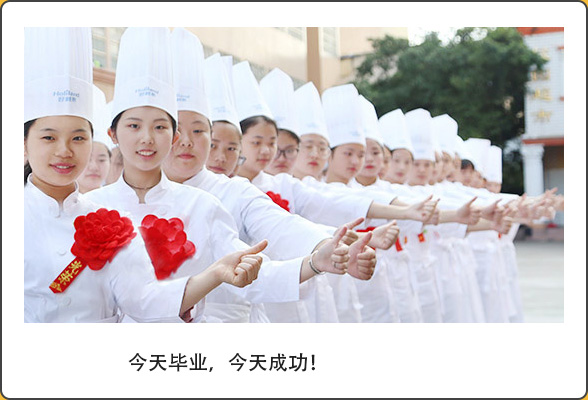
(67, 276)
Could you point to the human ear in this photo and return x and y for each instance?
(112, 135)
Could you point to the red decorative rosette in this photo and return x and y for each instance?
(98, 237)
(166, 243)
(276, 198)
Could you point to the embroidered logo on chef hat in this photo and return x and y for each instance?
(444, 129)
(219, 89)
(58, 73)
(369, 119)
(418, 122)
(248, 97)
(394, 131)
(309, 111)
(144, 71)
(343, 115)
(277, 89)
(188, 70)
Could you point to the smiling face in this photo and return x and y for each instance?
(399, 167)
(421, 172)
(286, 154)
(374, 162)
(144, 135)
(225, 148)
(345, 163)
(97, 169)
(190, 151)
(312, 157)
(58, 149)
(259, 148)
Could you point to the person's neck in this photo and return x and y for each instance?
(298, 174)
(332, 177)
(58, 193)
(180, 179)
(142, 181)
(366, 181)
(250, 175)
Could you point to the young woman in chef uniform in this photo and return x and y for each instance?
(65, 232)
(144, 103)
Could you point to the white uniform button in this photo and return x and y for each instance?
(61, 252)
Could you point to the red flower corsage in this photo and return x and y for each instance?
(166, 243)
(276, 198)
(98, 237)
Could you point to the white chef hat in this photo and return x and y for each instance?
(188, 69)
(394, 131)
(58, 72)
(101, 118)
(144, 71)
(278, 91)
(343, 115)
(369, 119)
(444, 130)
(219, 90)
(311, 117)
(493, 165)
(461, 149)
(248, 97)
(478, 148)
(418, 122)
(228, 63)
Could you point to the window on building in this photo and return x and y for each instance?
(298, 33)
(105, 43)
(330, 40)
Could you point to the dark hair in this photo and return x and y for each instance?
(255, 120)
(27, 168)
(392, 152)
(291, 134)
(117, 118)
(466, 163)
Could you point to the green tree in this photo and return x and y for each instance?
(479, 78)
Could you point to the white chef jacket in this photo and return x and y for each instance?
(497, 271)
(323, 207)
(126, 283)
(257, 217)
(212, 230)
(289, 236)
(396, 260)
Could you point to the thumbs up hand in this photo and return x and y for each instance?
(468, 214)
(384, 236)
(362, 259)
(241, 267)
(334, 254)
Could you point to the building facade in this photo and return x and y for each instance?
(327, 56)
(543, 141)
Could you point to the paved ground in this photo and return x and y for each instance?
(541, 279)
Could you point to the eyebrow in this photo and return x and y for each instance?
(56, 130)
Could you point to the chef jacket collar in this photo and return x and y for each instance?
(49, 204)
(154, 194)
